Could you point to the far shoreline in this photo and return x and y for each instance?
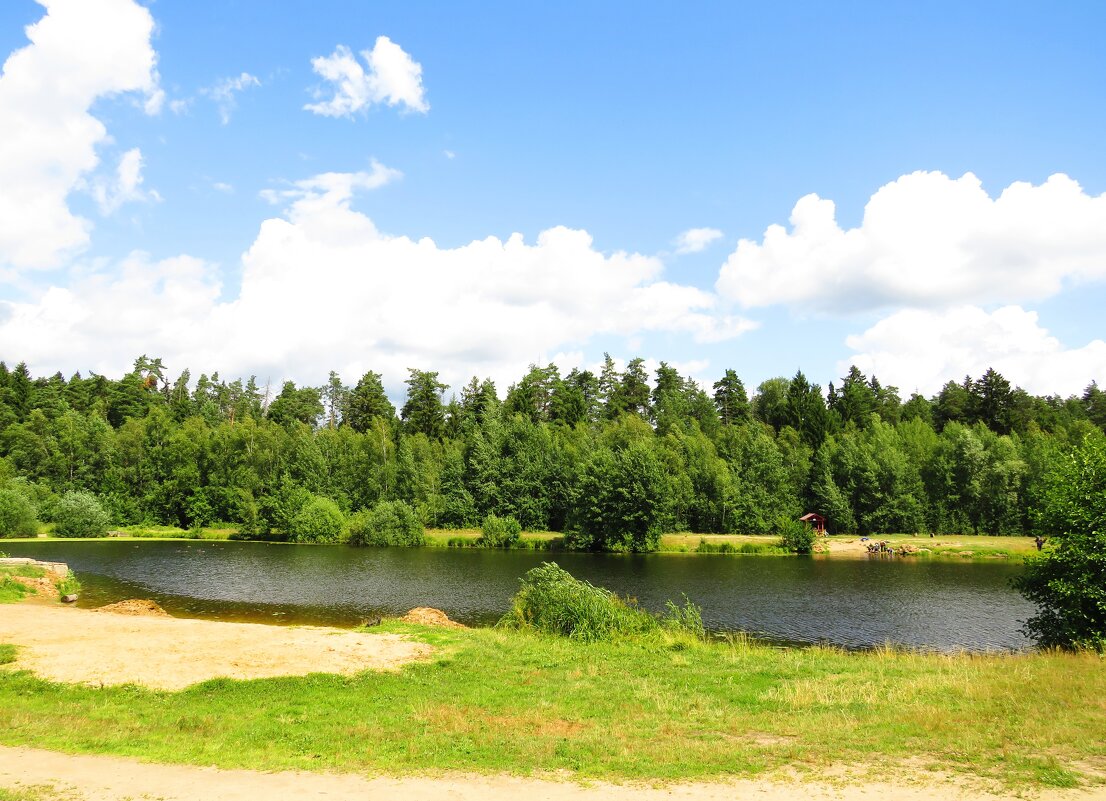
(954, 547)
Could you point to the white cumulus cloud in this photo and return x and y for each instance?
(392, 78)
(920, 350)
(82, 50)
(323, 288)
(696, 240)
(926, 241)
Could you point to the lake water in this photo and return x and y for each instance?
(854, 603)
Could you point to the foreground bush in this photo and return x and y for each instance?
(80, 514)
(17, 515)
(1068, 582)
(387, 523)
(553, 601)
(320, 520)
(499, 532)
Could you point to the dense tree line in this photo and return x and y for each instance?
(612, 459)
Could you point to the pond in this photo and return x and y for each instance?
(855, 603)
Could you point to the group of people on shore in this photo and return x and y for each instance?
(882, 548)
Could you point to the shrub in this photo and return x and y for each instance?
(387, 523)
(1068, 581)
(79, 514)
(552, 601)
(795, 536)
(69, 585)
(17, 515)
(319, 520)
(500, 532)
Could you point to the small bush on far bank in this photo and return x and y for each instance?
(500, 532)
(80, 514)
(320, 520)
(796, 536)
(387, 523)
(17, 515)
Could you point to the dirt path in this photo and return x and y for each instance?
(98, 648)
(97, 778)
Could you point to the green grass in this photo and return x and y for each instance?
(12, 591)
(509, 701)
(467, 538)
(38, 792)
(7, 653)
(220, 531)
(69, 585)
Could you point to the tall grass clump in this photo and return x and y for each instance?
(68, 585)
(11, 590)
(387, 523)
(553, 601)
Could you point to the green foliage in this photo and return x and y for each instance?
(423, 411)
(499, 532)
(17, 514)
(296, 405)
(12, 590)
(1068, 582)
(795, 535)
(69, 585)
(387, 523)
(7, 653)
(609, 459)
(552, 601)
(624, 500)
(319, 520)
(80, 514)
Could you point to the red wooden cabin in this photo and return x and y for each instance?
(817, 522)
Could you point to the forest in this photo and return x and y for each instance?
(612, 460)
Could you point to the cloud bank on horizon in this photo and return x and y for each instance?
(937, 274)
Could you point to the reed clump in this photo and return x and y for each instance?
(552, 601)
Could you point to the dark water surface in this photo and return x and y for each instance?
(848, 602)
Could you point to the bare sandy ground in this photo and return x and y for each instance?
(97, 778)
(78, 646)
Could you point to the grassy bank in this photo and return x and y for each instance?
(11, 590)
(525, 703)
(955, 546)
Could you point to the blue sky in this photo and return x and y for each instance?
(632, 122)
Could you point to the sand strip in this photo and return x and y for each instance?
(78, 646)
(98, 778)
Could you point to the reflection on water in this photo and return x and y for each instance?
(853, 603)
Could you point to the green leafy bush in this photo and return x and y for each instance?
(795, 536)
(1068, 581)
(17, 515)
(500, 532)
(387, 523)
(551, 600)
(319, 520)
(69, 585)
(80, 514)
